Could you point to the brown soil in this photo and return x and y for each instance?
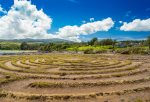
(21, 86)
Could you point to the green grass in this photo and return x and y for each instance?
(109, 47)
(8, 43)
(83, 48)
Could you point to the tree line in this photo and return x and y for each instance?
(49, 47)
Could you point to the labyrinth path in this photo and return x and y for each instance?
(74, 78)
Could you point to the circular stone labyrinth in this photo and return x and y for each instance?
(75, 78)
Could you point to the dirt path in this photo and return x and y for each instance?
(22, 86)
(9, 65)
(21, 64)
(91, 79)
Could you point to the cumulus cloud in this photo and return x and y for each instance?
(83, 21)
(92, 19)
(73, 32)
(23, 20)
(136, 25)
(2, 10)
(120, 22)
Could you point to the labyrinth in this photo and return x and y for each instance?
(74, 78)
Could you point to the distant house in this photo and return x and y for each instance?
(135, 44)
(121, 45)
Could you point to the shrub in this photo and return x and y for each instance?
(125, 51)
(63, 74)
(7, 77)
(133, 50)
(89, 51)
(100, 51)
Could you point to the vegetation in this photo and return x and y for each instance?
(49, 77)
(9, 46)
(19, 46)
(94, 46)
(148, 41)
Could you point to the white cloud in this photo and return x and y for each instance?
(84, 21)
(136, 25)
(73, 32)
(23, 20)
(2, 10)
(120, 22)
(92, 19)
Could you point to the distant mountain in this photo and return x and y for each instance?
(55, 40)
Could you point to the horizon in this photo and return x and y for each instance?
(75, 20)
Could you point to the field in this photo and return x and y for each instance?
(83, 48)
(75, 78)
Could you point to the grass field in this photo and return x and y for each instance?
(108, 47)
(75, 78)
(83, 48)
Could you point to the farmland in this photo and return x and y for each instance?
(75, 78)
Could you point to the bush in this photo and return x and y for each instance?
(133, 50)
(126, 51)
(89, 51)
(100, 51)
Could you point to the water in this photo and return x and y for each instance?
(11, 52)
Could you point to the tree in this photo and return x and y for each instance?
(114, 44)
(93, 41)
(106, 42)
(148, 41)
(0, 46)
(24, 46)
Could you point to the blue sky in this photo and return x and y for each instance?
(74, 12)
